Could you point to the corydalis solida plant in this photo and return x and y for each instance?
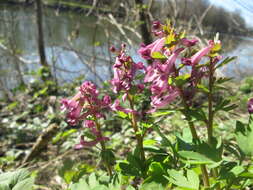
(177, 70)
(87, 107)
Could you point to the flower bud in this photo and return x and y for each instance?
(250, 106)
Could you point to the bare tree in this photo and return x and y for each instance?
(41, 45)
(143, 17)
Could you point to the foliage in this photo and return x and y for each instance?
(16, 180)
(153, 126)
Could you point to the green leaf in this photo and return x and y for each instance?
(197, 114)
(4, 186)
(155, 174)
(212, 151)
(63, 135)
(201, 153)
(130, 188)
(226, 61)
(26, 184)
(127, 170)
(122, 114)
(13, 178)
(162, 113)
(191, 182)
(152, 186)
(244, 136)
(81, 185)
(158, 55)
(19, 179)
(202, 88)
(108, 156)
(224, 105)
(66, 171)
(195, 157)
(165, 140)
(222, 80)
(182, 79)
(12, 105)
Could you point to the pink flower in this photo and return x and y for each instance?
(140, 87)
(85, 103)
(117, 107)
(107, 100)
(250, 106)
(163, 99)
(88, 88)
(73, 108)
(84, 143)
(156, 46)
(188, 43)
(195, 59)
(89, 123)
(124, 71)
(171, 60)
(156, 25)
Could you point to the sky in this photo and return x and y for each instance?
(244, 6)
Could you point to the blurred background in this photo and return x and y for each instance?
(73, 36)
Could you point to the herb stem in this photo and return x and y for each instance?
(102, 143)
(138, 136)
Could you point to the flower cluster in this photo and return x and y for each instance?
(86, 104)
(164, 54)
(125, 70)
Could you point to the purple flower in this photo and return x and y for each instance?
(124, 71)
(156, 46)
(117, 107)
(82, 144)
(250, 106)
(107, 100)
(85, 103)
(195, 59)
(163, 99)
(89, 123)
(156, 25)
(188, 43)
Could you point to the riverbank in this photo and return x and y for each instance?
(60, 5)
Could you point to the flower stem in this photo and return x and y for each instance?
(210, 104)
(211, 112)
(102, 143)
(138, 136)
(195, 137)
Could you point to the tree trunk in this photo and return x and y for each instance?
(41, 46)
(146, 36)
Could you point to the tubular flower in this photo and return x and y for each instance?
(156, 46)
(73, 108)
(86, 104)
(164, 98)
(188, 43)
(250, 106)
(82, 144)
(195, 59)
(158, 74)
(124, 71)
(117, 107)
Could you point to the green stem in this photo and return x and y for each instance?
(211, 112)
(210, 104)
(138, 136)
(102, 143)
(195, 137)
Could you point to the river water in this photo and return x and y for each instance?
(77, 46)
